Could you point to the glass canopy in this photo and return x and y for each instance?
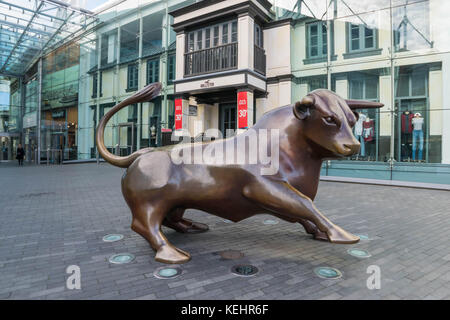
(29, 28)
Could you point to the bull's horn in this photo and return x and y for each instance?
(362, 104)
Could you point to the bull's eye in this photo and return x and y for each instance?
(330, 120)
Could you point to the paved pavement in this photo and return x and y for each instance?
(56, 216)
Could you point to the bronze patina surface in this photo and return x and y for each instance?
(158, 191)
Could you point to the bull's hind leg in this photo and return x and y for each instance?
(175, 220)
(147, 219)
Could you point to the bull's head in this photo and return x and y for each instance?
(327, 120)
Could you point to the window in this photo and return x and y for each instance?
(258, 36)
(94, 84)
(361, 37)
(225, 33)
(191, 42)
(234, 33)
(133, 75)
(171, 71)
(316, 40)
(216, 36)
(207, 38)
(199, 40)
(152, 71)
(212, 36)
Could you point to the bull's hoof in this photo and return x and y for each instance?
(172, 255)
(187, 226)
(338, 235)
(319, 235)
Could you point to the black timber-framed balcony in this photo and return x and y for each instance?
(220, 58)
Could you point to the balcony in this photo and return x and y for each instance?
(209, 60)
(260, 60)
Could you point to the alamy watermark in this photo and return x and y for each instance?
(260, 146)
(374, 280)
(74, 279)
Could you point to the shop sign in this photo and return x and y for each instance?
(178, 114)
(193, 111)
(59, 114)
(29, 120)
(207, 84)
(242, 110)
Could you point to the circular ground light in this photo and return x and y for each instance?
(327, 273)
(359, 253)
(121, 258)
(244, 270)
(364, 237)
(112, 237)
(231, 254)
(167, 272)
(270, 221)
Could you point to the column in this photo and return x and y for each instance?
(244, 110)
(181, 115)
(39, 105)
(246, 29)
(181, 38)
(342, 86)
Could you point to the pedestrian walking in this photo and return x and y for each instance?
(20, 154)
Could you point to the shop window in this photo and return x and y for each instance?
(132, 78)
(365, 87)
(152, 71)
(416, 136)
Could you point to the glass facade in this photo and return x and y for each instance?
(392, 51)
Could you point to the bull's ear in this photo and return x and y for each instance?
(362, 104)
(301, 108)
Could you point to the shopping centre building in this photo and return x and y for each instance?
(223, 64)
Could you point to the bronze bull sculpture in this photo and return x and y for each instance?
(158, 191)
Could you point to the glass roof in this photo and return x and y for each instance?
(29, 28)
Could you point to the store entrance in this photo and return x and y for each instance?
(126, 137)
(227, 119)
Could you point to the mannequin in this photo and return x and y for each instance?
(369, 136)
(417, 123)
(406, 135)
(359, 133)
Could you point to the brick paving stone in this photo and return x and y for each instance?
(53, 217)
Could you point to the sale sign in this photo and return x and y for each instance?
(178, 114)
(242, 110)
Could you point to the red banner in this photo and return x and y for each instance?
(242, 110)
(178, 114)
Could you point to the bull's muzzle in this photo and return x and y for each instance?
(347, 149)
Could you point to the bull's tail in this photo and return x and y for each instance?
(146, 94)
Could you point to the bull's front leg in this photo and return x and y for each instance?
(283, 199)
